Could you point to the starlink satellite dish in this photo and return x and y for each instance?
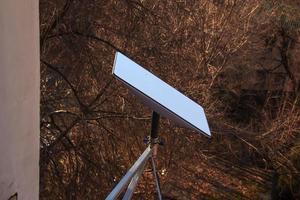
(160, 96)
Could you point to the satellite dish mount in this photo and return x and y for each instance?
(131, 178)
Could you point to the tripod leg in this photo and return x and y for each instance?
(133, 182)
(157, 181)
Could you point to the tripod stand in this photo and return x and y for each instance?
(134, 173)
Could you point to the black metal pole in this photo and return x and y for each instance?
(154, 142)
(154, 126)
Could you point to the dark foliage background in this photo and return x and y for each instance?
(238, 59)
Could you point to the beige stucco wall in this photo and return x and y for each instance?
(19, 99)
